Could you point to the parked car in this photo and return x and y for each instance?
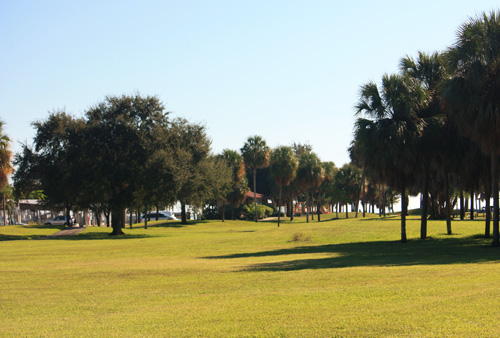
(60, 220)
(162, 216)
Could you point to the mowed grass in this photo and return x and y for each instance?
(345, 277)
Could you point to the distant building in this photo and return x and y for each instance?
(249, 198)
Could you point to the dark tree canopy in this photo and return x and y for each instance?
(125, 152)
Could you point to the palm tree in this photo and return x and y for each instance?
(329, 170)
(310, 175)
(283, 168)
(256, 154)
(239, 185)
(388, 139)
(472, 94)
(430, 70)
(5, 158)
(5, 164)
(299, 149)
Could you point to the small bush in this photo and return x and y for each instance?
(268, 211)
(263, 211)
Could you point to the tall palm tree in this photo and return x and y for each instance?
(329, 170)
(430, 70)
(5, 165)
(256, 155)
(5, 158)
(310, 175)
(283, 168)
(472, 94)
(388, 137)
(299, 149)
(238, 181)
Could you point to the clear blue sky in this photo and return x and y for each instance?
(289, 71)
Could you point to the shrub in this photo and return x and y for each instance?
(263, 211)
(268, 211)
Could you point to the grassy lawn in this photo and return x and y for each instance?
(15, 232)
(345, 277)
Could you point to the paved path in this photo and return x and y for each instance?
(67, 232)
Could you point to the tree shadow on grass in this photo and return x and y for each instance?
(170, 224)
(298, 221)
(91, 236)
(43, 226)
(161, 225)
(386, 218)
(380, 253)
(107, 235)
(19, 237)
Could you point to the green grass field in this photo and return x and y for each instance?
(336, 278)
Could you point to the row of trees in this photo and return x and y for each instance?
(124, 153)
(291, 173)
(434, 127)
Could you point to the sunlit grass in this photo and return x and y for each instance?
(351, 277)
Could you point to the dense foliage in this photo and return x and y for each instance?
(411, 132)
(125, 153)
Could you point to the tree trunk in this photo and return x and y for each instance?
(307, 208)
(291, 205)
(358, 197)
(310, 205)
(381, 204)
(279, 207)
(68, 216)
(425, 202)
(255, 192)
(130, 217)
(146, 217)
(404, 210)
(363, 204)
(487, 211)
(462, 211)
(384, 201)
(472, 205)
(494, 190)
(448, 204)
(183, 213)
(118, 220)
(319, 206)
(97, 217)
(223, 210)
(107, 214)
(4, 212)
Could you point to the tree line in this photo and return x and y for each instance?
(124, 153)
(430, 129)
(434, 127)
(127, 153)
